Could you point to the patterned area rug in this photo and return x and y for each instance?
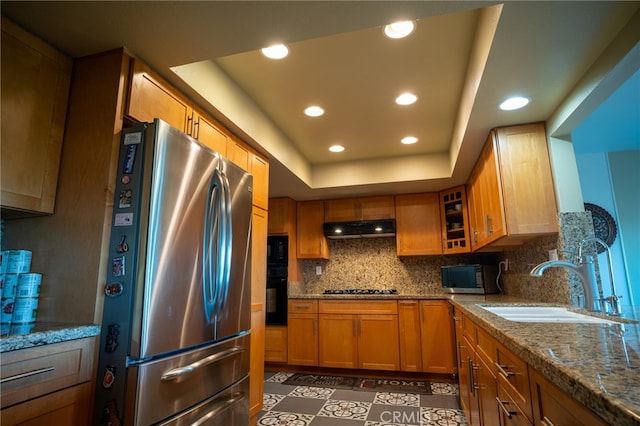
(360, 383)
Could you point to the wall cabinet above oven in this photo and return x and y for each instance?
(364, 208)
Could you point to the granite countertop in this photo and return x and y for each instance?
(48, 333)
(598, 364)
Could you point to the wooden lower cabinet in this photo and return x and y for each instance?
(338, 344)
(359, 334)
(256, 366)
(378, 342)
(499, 388)
(302, 328)
(70, 406)
(50, 384)
(552, 406)
(275, 343)
(436, 329)
(486, 388)
(426, 336)
(410, 343)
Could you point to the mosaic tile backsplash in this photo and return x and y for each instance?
(372, 263)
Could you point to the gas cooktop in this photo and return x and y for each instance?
(362, 291)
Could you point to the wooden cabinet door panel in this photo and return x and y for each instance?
(365, 208)
(438, 350)
(151, 97)
(256, 364)
(207, 132)
(377, 208)
(487, 393)
(69, 407)
(275, 343)
(259, 168)
(342, 210)
(378, 345)
(303, 339)
(35, 89)
(409, 330)
(529, 197)
(553, 406)
(338, 341)
(238, 153)
(418, 230)
(311, 242)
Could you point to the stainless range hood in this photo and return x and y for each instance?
(360, 229)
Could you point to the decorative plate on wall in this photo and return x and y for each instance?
(603, 224)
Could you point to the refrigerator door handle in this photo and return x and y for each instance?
(226, 244)
(212, 250)
(179, 372)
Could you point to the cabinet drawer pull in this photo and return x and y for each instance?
(504, 409)
(472, 385)
(505, 373)
(546, 422)
(27, 374)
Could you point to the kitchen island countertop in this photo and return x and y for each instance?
(597, 364)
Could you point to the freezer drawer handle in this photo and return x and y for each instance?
(26, 374)
(235, 398)
(183, 371)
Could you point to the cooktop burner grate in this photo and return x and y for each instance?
(362, 291)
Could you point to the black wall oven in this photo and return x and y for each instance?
(277, 264)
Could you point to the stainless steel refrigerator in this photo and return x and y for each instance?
(174, 347)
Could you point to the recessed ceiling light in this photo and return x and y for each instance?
(336, 148)
(406, 99)
(314, 111)
(515, 102)
(409, 140)
(277, 51)
(399, 29)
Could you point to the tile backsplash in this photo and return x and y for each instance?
(372, 263)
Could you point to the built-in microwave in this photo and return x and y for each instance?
(472, 279)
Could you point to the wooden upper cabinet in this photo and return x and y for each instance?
(259, 168)
(209, 132)
(311, 242)
(511, 192)
(418, 230)
(282, 216)
(35, 90)
(151, 97)
(238, 153)
(454, 220)
(365, 208)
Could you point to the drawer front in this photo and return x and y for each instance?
(374, 307)
(510, 412)
(303, 306)
(469, 329)
(32, 372)
(486, 347)
(513, 375)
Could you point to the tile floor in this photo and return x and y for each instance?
(286, 405)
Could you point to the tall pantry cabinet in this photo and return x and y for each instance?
(72, 244)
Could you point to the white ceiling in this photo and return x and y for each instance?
(463, 59)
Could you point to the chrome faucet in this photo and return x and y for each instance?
(613, 299)
(587, 273)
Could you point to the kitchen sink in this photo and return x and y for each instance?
(551, 314)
